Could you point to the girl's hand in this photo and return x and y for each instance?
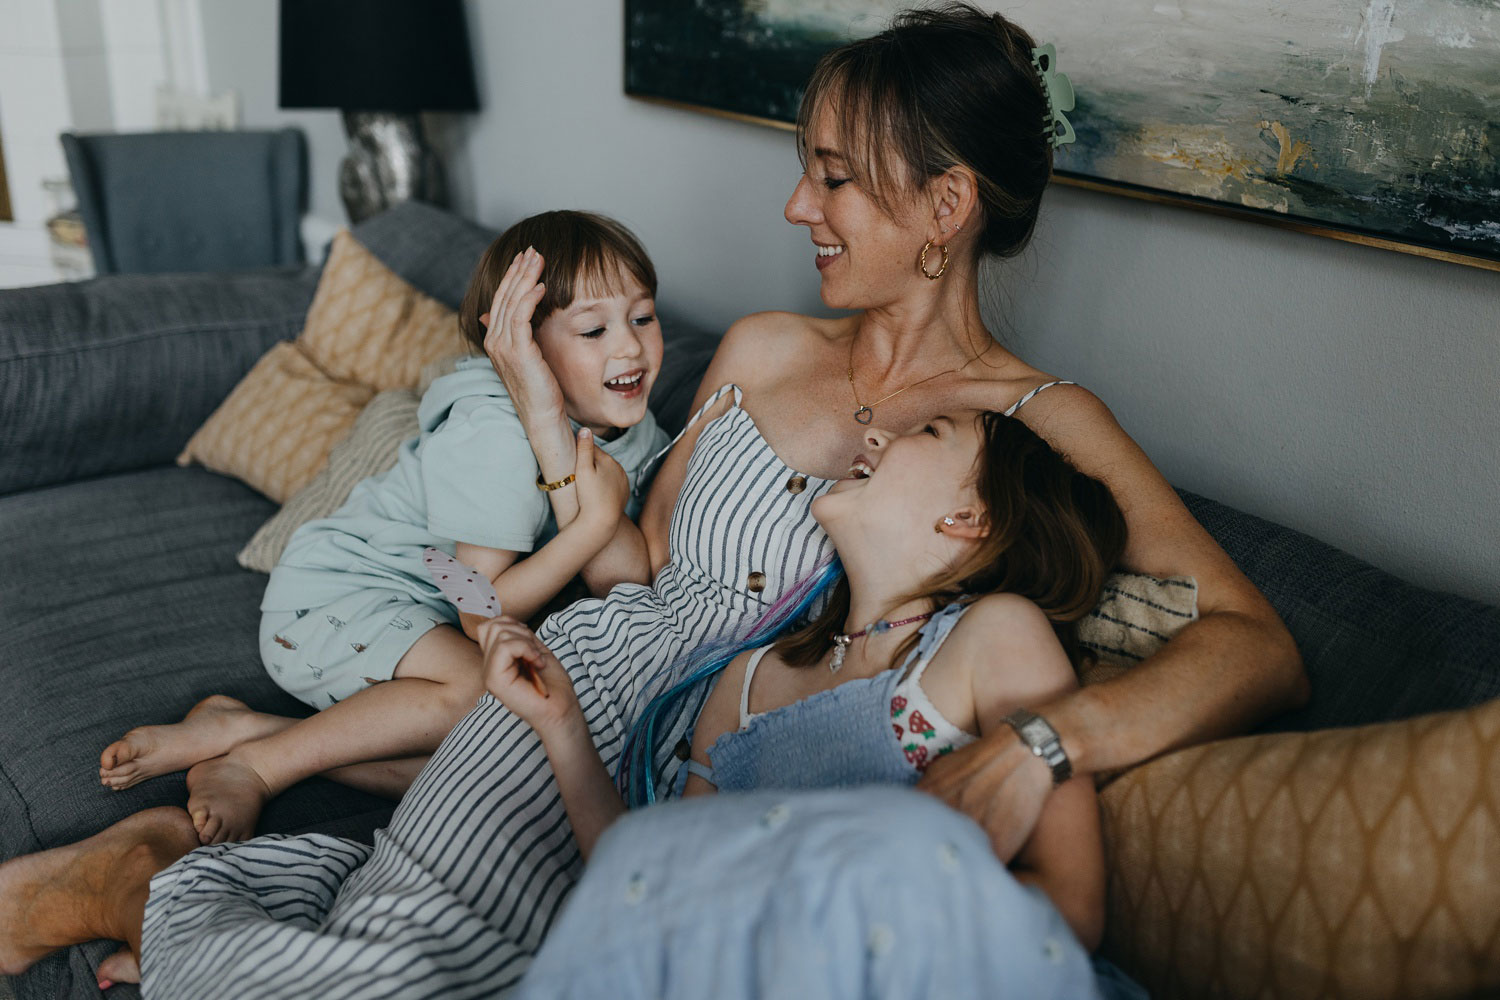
(511, 345)
(525, 676)
(603, 487)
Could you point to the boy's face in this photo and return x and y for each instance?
(605, 351)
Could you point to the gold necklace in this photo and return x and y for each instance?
(864, 414)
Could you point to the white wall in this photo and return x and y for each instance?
(1345, 391)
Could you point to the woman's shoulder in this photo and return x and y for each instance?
(779, 330)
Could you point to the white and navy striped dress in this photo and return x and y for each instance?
(457, 894)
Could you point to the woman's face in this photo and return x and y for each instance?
(865, 257)
(905, 483)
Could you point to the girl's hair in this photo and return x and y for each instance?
(1054, 534)
(580, 251)
(941, 87)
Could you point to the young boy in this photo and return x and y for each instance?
(352, 622)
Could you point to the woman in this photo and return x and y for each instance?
(925, 149)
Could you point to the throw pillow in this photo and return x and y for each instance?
(366, 325)
(366, 331)
(370, 449)
(275, 429)
(1136, 616)
(1339, 863)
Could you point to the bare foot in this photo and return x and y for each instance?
(212, 728)
(95, 888)
(225, 797)
(121, 967)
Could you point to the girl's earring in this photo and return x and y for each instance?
(945, 521)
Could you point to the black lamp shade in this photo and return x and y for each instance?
(376, 55)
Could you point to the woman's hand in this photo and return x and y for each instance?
(526, 678)
(603, 488)
(511, 344)
(998, 783)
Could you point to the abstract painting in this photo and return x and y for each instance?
(1372, 120)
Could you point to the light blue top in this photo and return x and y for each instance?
(469, 476)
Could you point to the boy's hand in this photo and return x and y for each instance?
(525, 676)
(603, 487)
(511, 345)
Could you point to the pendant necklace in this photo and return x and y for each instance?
(865, 412)
(841, 640)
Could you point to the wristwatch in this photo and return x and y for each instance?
(1038, 734)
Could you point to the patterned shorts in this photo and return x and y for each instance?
(323, 655)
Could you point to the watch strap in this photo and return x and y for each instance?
(1037, 733)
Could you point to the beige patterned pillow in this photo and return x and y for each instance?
(1136, 616)
(1357, 862)
(370, 449)
(366, 331)
(275, 429)
(366, 325)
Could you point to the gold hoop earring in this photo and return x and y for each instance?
(941, 267)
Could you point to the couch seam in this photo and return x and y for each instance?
(171, 331)
(36, 843)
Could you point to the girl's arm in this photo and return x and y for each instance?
(721, 714)
(524, 587)
(1234, 666)
(516, 664)
(1025, 665)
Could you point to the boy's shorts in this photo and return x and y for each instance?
(323, 655)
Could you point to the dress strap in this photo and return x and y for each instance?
(717, 394)
(1027, 398)
(935, 632)
(755, 659)
(702, 771)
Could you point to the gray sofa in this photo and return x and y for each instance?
(121, 602)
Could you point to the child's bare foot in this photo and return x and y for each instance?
(121, 967)
(212, 728)
(225, 797)
(92, 889)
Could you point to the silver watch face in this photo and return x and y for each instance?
(1037, 733)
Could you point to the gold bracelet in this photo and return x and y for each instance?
(549, 487)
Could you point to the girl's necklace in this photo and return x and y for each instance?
(841, 640)
(866, 413)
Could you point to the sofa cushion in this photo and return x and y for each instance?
(1375, 647)
(1347, 862)
(433, 250)
(116, 373)
(122, 606)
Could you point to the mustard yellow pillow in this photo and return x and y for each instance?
(366, 331)
(1357, 862)
(366, 325)
(275, 430)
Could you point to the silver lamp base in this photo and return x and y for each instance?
(389, 162)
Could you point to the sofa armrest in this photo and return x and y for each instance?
(116, 373)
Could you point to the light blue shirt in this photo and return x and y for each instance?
(469, 476)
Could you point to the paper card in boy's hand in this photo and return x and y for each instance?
(466, 588)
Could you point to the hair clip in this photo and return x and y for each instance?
(1059, 95)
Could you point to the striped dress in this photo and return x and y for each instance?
(457, 893)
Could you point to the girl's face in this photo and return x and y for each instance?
(865, 257)
(605, 350)
(906, 483)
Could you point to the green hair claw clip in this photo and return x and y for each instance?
(1059, 95)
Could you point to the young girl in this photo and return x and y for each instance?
(967, 541)
(352, 622)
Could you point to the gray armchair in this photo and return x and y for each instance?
(190, 201)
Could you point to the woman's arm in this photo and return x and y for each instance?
(515, 662)
(1234, 666)
(721, 714)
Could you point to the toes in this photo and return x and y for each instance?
(121, 967)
